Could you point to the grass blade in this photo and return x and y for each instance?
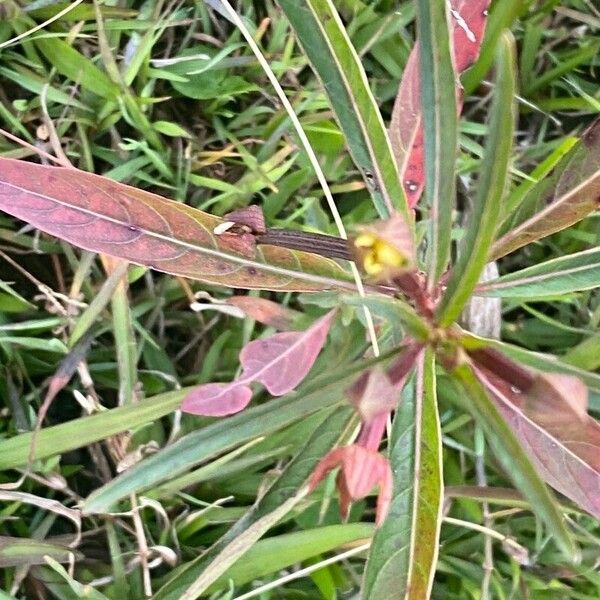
(490, 191)
(81, 432)
(438, 99)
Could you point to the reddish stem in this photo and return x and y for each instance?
(412, 286)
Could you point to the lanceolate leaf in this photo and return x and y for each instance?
(537, 360)
(325, 41)
(438, 101)
(280, 362)
(572, 273)
(101, 215)
(513, 458)
(24, 552)
(490, 191)
(406, 128)
(403, 554)
(563, 198)
(77, 433)
(296, 473)
(564, 450)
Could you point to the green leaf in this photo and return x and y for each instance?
(296, 473)
(393, 310)
(325, 41)
(438, 99)
(514, 460)
(220, 436)
(14, 452)
(171, 129)
(35, 84)
(19, 552)
(566, 196)
(563, 275)
(515, 207)
(491, 187)
(35, 343)
(276, 553)
(77, 67)
(403, 554)
(586, 355)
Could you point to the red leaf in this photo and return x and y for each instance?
(406, 133)
(361, 470)
(557, 396)
(373, 394)
(280, 362)
(565, 451)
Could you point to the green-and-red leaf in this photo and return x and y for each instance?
(406, 128)
(101, 215)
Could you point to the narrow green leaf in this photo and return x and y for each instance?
(88, 317)
(563, 275)
(492, 185)
(325, 41)
(125, 343)
(404, 551)
(19, 552)
(236, 549)
(438, 99)
(515, 206)
(77, 67)
(567, 195)
(515, 461)
(586, 355)
(296, 473)
(273, 554)
(77, 433)
(393, 310)
(222, 435)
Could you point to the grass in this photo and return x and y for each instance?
(167, 96)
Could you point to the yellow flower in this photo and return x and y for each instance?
(378, 255)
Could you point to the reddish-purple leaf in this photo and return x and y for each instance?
(104, 216)
(217, 399)
(373, 394)
(280, 362)
(557, 396)
(565, 451)
(268, 312)
(406, 132)
(361, 470)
